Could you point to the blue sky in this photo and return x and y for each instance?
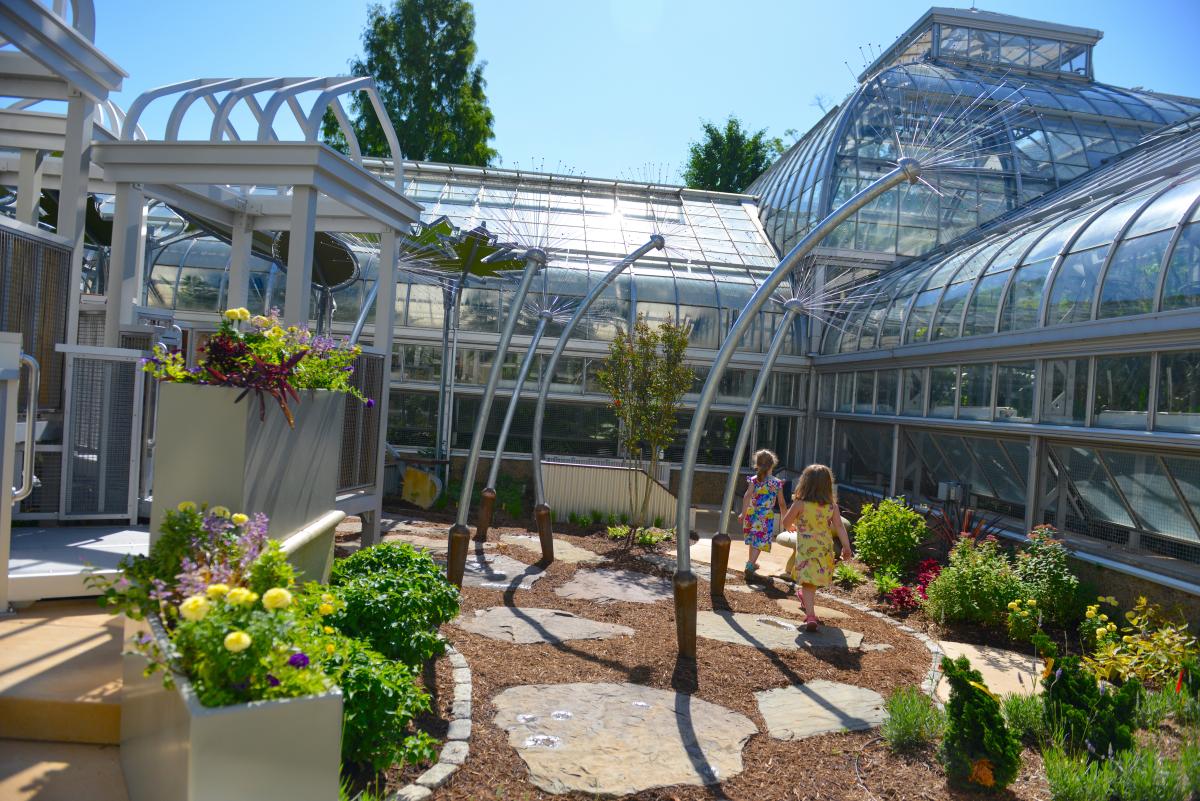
(618, 88)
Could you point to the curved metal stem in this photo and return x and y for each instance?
(655, 242)
(494, 472)
(535, 259)
(760, 385)
(907, 170)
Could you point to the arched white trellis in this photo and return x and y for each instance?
(223, 96)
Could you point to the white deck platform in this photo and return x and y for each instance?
(52, 562)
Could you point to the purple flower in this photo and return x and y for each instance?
(298, 660)
(272, 681)
(370, 402)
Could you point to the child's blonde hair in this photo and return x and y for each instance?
(764, 462)
(816, 485)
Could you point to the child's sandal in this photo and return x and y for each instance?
(750, 567)
(811, 624)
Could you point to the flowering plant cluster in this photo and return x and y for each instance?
(257, 354)
(1151, 646)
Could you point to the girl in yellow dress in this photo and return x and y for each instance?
(816, 516)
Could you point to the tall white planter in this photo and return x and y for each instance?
(174, 749)
(212, 450)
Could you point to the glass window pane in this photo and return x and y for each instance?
(996, 467)
(1104, 229)
(1132, 279)
(845, 392)
(943, 383)
(885, 391)
(1148, 490)
(1014, 392)
(705, 323)
(864, 392)
(1122, 391)
(920, 315)
(913, 399)
(1167, 210)
(975, 392)
(1022, 307)
(479, 310)
(1064, 392)
(1182, 289)
(1179, 392)
(1075, 286)
(1186, 472)
(425, 306)
(949, 313)
(825, 392)
(985, 303)
(1095, 490)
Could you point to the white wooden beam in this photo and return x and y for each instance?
(73, 197)
(300, 254)
(238, 286)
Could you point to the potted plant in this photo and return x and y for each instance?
(246, 707)
(218, 437)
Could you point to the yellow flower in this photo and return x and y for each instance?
(258, 321)
(194, 608)
(329, 648)
(1013, 605)
(237, 641)
(327, 598)
(186, 506)
(1031, 603)
(243, 313)
(215, 591)
(1103, 618)
(220, 511)
(1024, 613)
(277, 598)
(327, 629)
(241, 596)
(325, 609)
(239, 519)
(1091, 613)
(1048, 669)
(232, 314)
(1111, 627)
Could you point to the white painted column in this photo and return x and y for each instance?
(385, 319)
(300, 255)
(72, 197)
(126, 264)
(237, 291)
(29, 186)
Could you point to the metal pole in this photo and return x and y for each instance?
(655, 242)
(441, 445)
(907, 170)
(791, 309)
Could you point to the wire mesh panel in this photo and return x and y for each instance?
(47, 469)
(34, 274)
(360, 427)
(91, 328)
(97, 454)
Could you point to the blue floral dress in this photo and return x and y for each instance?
(758, 525)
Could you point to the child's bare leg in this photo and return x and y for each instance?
(809, 593)
(753, 555)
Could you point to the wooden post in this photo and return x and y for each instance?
(685, 613)
(456, 556)
(487, 507)
(720, 563)
(541, 514)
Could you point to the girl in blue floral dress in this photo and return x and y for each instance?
(758, 516)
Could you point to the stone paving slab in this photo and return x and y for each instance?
(1003, 671)
(431, 540)
(615, 740)
(771, 633)
(792, 607)
(563, 551)
(538, 626)
(819, 707)
(668, 562)
(605, 586)
(499, 572)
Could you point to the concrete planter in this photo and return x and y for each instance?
(174, 749)
(212, 450)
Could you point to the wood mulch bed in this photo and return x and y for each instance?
(838, 766)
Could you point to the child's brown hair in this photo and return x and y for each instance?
(764, 462)
(815, 485)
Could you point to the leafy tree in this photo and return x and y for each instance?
(645, 376)
(421, 54)
(729, 159)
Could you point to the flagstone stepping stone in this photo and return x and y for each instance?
(792, 607)
(499, 572)
(604, 586)
(669, 563)
(819, 707)
(563, 550)
(615, 740)
(1003, 671)
(538, 625)
(771, 633)
(431, 540)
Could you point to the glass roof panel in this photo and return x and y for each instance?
(1167, 209)
(1104, 229)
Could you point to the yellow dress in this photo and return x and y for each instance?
(815, 529)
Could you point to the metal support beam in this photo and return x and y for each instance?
(908, 170)
(300, 255)
(73, 197)
(385, 321)
(126, 261)
(29, 188)
(237, 291)
(510, 413)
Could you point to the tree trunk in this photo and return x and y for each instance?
(644, 506)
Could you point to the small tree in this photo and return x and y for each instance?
(728, 159)
(645, 376)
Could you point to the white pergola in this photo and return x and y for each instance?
(254, 177)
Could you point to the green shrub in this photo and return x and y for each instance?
(1189, 765)
(394, 597)
(978, 750)
(612, 519)
(649, 537)
(1153, 647)
(1141, 776)
(912, 720)
(847, 575)
(1156, 706)
(574, 519)
(618, 532)
(658, 522)
(1089, 719)
(976, 587)
(886, 537)
(1042, 567)
(1026, 717)
(886, 582)
(271, 569)
(624, 518)
(596, 517)
(1075, 779)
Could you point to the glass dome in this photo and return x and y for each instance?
(1123, 241)
(1064, 128)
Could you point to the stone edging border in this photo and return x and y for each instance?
(454, 752)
